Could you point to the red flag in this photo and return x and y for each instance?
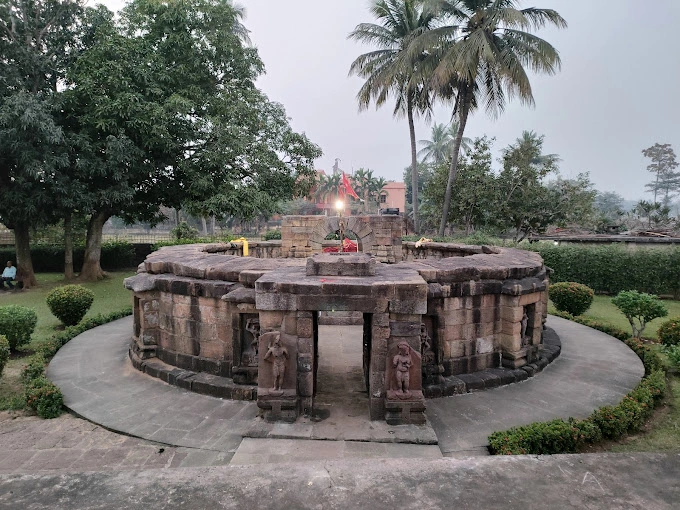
(348, 187)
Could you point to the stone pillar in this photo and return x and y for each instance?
(147, 312)
(380, 334)
(404, 401)
(305, 361)
(277, 393)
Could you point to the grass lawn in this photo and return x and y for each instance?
(110, 295)
(662, 432)
(603, 310)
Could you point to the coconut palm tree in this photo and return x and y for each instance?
(484, 50)
(439, 148)
(393, 69)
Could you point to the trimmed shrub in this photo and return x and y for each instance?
(544, 438)
(611, 269)
(48, 258)
(650, 359)
(44, 398)
(33, 369)
(4, 353)
(673, 353)
(571, 297)
(272, 234)
(17, 324)
(669, 332)
(639, 308)
(70, 303)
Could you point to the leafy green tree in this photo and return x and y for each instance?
(524, 204)
(166, 112)
(667, 180)
(639, 308)
(483, 52)
(609, 208)
(38, 40)
(473, 197)
(654, 214)
(395, 69)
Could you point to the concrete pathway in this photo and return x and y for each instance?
(604, 481)
(29, 444)
(99, 384)
(593, 370)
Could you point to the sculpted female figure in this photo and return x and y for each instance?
(279, 356)
(402, 365)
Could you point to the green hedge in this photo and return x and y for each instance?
(611, 422)
(611, 269)
(50, 258)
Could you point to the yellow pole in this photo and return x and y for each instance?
(245, 245)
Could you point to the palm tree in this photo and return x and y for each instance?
(394, 68)
(439, 148)
(483, 50)
(362, 179)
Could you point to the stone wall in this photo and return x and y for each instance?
(303, 236)
(204, 316)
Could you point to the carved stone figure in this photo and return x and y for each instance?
(525, 323)
(277, 355)
(402, 366)
(426, 347)
(251, 348)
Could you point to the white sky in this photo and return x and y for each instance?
(617, 92)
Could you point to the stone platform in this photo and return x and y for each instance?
(99, 383)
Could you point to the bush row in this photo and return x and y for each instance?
(610, 422)
(49, 258)
(611, 269)
(42, 395)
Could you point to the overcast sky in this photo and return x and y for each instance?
(618, 91)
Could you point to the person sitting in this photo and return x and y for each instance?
(8, 276)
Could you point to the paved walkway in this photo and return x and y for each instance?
(99, 383)
(604, 481)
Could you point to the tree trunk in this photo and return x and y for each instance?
(22, 245)
(414, 166)
(212, 225)
(204, 225)
(92, 269)
(68, 248)
(453, 170)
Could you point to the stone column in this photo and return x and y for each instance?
(147, 312)
(404, 401)
(277, 388)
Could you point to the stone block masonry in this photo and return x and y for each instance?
(247, 327)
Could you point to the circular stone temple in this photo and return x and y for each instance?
(212, 321)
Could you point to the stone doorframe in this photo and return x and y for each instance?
(287, 300)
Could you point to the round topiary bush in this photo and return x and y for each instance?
(669, 332)
(17, 324)
(70, 303)
(44, 398)
(4, 353)
(571, 297)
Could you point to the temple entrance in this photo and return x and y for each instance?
(342, 358)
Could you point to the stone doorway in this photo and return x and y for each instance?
(341, 361)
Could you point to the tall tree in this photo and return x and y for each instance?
(38, 40)
(663, 165)
(394, 69)
(483, 51)
(168, 113)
